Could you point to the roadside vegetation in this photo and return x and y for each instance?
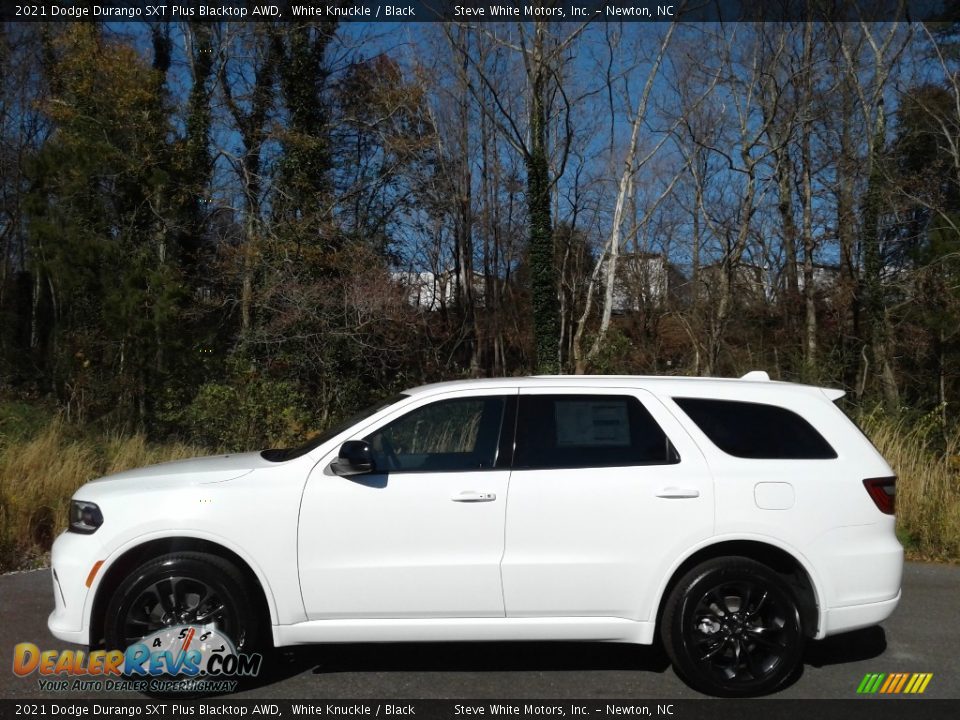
(44, 459)
(927, 463)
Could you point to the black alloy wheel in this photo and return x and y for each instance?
(186, 588)
(732, 628)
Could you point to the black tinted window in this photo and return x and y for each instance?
(570, 431)
(461, 434)
(756, 431)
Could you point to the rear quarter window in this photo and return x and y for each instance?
(756, 431)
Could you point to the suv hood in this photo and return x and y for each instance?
(212, 469)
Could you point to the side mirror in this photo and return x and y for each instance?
(355, 458)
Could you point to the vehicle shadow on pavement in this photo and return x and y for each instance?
(464, 657)
(491, 657)
(845, 648)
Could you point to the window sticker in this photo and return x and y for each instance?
(592, 423)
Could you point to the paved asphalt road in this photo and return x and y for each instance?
(922, 636)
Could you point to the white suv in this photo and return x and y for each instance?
(733, 519)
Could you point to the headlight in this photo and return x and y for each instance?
(85, 517)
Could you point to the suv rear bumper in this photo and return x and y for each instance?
(853, 617)
(860, 571)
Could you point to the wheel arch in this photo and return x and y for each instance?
(777, 558)
(141, 552)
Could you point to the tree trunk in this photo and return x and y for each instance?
(784, 171)
(847, 236)
(809, 289)
(464, 220)
(546, 327)
(879, 323)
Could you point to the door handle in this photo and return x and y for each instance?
(472, 496)
(675, 492)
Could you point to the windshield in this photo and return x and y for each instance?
(284, 454)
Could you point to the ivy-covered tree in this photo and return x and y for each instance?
(304, 200)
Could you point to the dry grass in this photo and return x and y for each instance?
(928, 484)
(39, 474)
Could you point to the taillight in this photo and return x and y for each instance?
(883, 491)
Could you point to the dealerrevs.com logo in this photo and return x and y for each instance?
(183, 658)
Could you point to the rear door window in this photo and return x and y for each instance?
(756, 430)
(573, 431)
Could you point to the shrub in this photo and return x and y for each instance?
(252, 416)
(927, 463)
(39, 474)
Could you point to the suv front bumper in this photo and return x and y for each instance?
(72, 558)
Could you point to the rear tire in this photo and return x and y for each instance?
(732, 628)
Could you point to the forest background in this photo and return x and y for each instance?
(230, 235)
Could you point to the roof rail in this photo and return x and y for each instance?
(756, 375)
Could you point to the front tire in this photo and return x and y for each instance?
(181, 589)
(732, 628)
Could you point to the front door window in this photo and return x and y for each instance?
(446, 436)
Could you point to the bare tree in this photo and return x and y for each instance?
(542, 53)
(741, 149)
(633, 162)
(248, 64)
(870, 85)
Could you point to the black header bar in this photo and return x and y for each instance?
(471, 11)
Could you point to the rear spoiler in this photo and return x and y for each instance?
(760, 375)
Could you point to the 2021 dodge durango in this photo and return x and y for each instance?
(731, 519)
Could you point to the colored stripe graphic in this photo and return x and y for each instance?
(894, 683)
(870, 683)
(903, 681)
